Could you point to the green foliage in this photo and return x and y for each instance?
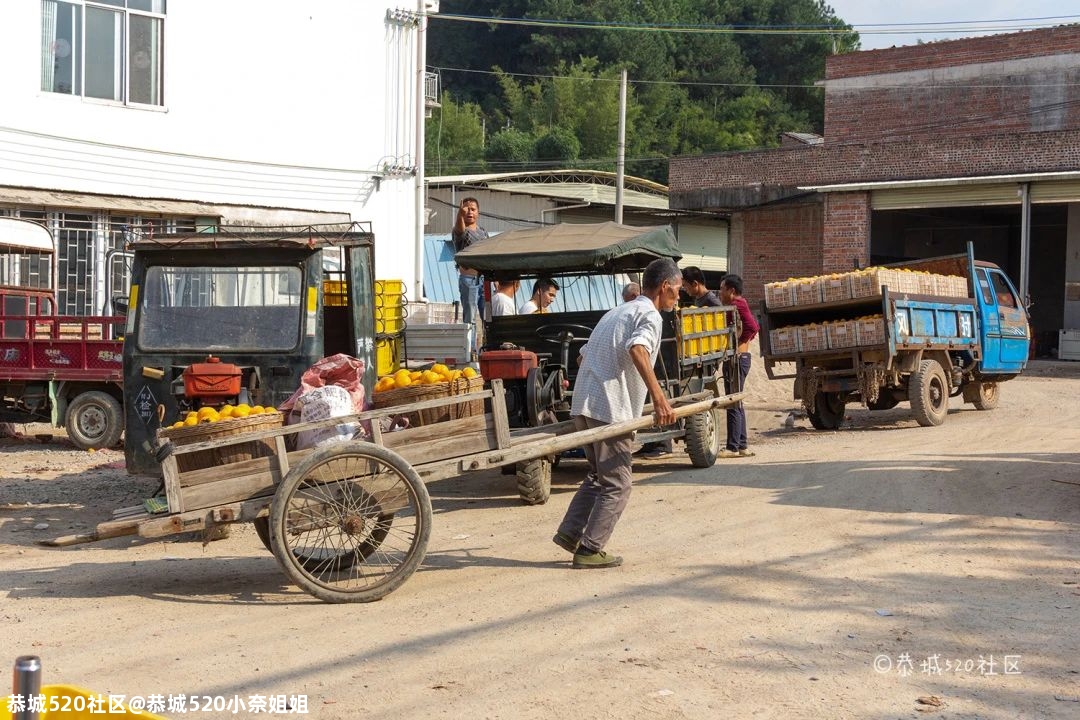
(510, 149)
(689, 93)
(558, 145)
(454, 138)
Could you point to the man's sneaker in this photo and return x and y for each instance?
(726, 453)
(598, 559)
(566, 542)
(746, 452)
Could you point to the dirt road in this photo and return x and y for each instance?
(882, 571)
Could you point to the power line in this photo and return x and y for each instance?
(810, 86)
(959, 26)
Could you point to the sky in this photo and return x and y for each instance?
(967, 14)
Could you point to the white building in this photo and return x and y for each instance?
(162, 115)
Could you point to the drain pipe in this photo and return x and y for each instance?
(421, 195)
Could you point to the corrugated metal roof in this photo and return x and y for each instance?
(584, 192)
(576, 293)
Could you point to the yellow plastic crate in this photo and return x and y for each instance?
(68, 702)
(703, 331)
(387, 355)
(334, 292)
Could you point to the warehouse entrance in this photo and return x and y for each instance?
(904, 234)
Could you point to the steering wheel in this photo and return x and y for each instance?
(559, 333)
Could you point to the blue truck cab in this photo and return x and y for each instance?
(934, 329)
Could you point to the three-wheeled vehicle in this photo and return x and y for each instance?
(238, 315)
(536, 355)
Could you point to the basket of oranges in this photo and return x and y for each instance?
(210, 423)
(412, 386)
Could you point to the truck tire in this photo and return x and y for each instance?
(703, 438)
(984, 395)
(928, 391)
(885, 401)
(828, 412)
(534, 481)
(95, 420)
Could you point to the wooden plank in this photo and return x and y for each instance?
(231, 489)
(428, 433)
(282, 455)
(498, 414)
(105, 530)
(244, 467)
(438, 468)
(368, 415)
(173, 493)
(455, 446)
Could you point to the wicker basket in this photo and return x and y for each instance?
(430, 416)
(205, 432)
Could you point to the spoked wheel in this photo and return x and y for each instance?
(379, 531)
(350, 523)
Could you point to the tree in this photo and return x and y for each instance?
(454, 139)
(510, 149)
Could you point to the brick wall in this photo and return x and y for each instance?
(722, 181)
(777, 242)
(966, 51)
(1017, 82)
(846, 231)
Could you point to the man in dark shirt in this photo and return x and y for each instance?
(731, 288)
(466, 232)
(693, 282)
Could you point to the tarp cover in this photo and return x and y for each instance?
(570, 247)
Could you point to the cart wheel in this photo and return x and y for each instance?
(534, 481)
(350, 523)
(703, 438)
(378, 533)
(928, 391)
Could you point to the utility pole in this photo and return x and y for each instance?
(620, 159)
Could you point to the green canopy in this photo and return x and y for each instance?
(570, 248)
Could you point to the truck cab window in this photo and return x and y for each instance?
(1005, 297)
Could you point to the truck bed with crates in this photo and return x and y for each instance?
(922, 331)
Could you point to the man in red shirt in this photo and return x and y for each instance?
(731, 288)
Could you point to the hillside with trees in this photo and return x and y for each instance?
(705, 76)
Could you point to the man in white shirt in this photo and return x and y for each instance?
(543, 294)
(614, 377)
(502, 302)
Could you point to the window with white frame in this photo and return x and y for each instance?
(105, 49)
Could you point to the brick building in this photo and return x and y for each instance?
(925, 147)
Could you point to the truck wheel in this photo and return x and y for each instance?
(828, 412)
(928, 391)
(94, 420)
(885, 401)
(703, 438)
(534, 481)
(984, 395)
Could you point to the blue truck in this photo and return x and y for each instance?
(922, 331)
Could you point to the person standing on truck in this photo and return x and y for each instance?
(746, 327)
(694, 284)
(615, 375)
(543, 294)
(466, 232)
(630, 291)
(502, 302)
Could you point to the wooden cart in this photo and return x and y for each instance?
(350, 521)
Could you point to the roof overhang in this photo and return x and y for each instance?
(944, 182)
(228, 214)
